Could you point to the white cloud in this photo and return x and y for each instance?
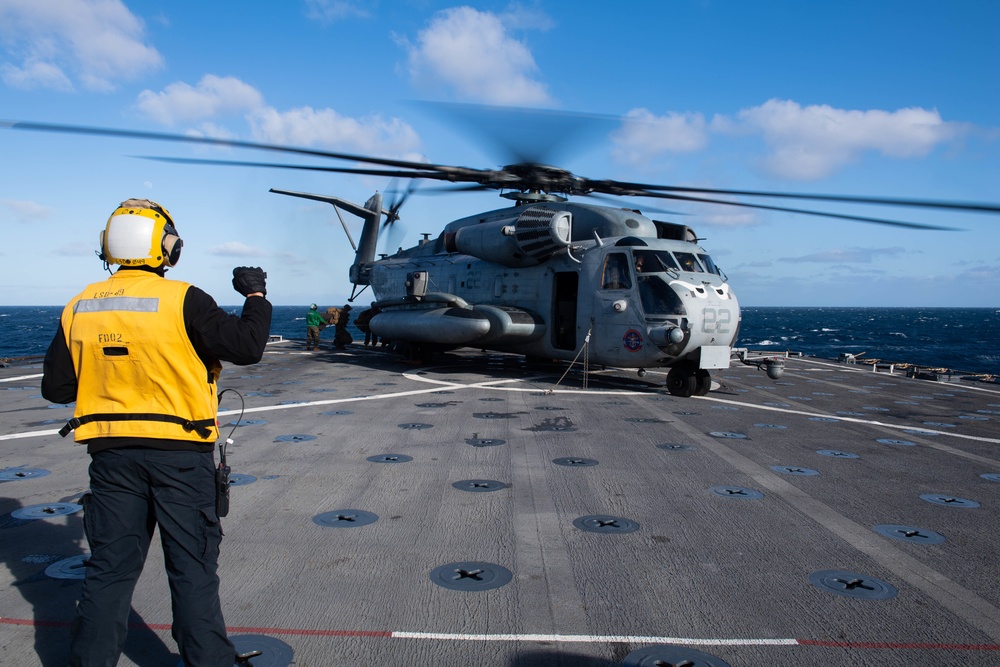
(78, 249)
(848, 255)
(26, 211)
(52, 43)
(328, 11)
(523, 17)
(981, 273)
(236, 249)
(802, 143)
(213, 130)
(734, 217)
(306, 126)
(216, 96)
(809, 143)
(644, 136)
(472, 53)
(35, 74)
(213, 96)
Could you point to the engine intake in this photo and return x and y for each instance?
(529, 239)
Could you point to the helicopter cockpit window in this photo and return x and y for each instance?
(657, 297)
(709, 264)
(653, 261)
(616, 273)
(689, 262)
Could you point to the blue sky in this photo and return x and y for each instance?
(854, 97)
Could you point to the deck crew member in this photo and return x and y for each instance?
(140, 355)
(363, 323)
(342, 337)
(314, 324)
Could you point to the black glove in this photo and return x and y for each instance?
(249, 279)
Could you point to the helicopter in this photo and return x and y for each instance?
(546, 277)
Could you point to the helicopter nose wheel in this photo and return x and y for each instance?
(686, 381)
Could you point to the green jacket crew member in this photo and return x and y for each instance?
(314, 324)
(140, 355)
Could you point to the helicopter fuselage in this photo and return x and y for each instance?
(572, 275)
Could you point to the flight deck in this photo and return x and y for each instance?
(483, 510)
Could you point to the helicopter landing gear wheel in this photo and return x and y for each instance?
(681, 381)
(702, 382)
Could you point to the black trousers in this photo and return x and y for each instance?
(133, 491)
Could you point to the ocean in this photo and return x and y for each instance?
(962, 339)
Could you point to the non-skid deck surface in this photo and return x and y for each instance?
(836, 517)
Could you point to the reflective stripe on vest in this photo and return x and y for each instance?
(132, 304)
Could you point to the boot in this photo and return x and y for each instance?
(244, 658)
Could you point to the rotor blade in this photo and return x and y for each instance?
(393, 213)
(455, 189)
(391, 188)
(979, 207)
(301, 167)
(398, 196)
(517, 176)
(825, 214)
(235, 143)
(521, 134)
(391, 235)
(620, 204)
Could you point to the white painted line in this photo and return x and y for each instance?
(592, 639)
(854, 420)
(372, 397)
(22, 377)
(490, 385)
(882, 376)
(291, 406)
(29, 434)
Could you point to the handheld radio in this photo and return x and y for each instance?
(223, 471)
(222, 482)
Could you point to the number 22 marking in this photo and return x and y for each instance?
(716, 321)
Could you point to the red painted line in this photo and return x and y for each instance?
(234, 629)
(33, 623)
(311, 633)
(925, 646)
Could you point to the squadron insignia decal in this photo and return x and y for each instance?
(632, 340)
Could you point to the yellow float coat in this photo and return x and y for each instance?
(138, 373)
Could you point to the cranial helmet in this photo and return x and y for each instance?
(140, 233)
(313, 307)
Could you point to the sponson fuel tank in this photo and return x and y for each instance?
(495, 325)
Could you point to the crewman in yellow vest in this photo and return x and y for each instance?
(140, 355)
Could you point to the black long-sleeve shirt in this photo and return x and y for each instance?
(215, 335)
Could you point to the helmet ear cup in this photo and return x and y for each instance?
(102, 254)
(172, 245)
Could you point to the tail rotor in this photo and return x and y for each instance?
(392, 213)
